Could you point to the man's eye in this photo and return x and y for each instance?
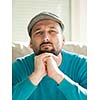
(38, 33)
(53, 31)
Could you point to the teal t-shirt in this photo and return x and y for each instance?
(74, 88)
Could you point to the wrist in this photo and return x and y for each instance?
(35, 78)
(58, 78)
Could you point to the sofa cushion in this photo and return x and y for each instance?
(78, 48)
(20, 49)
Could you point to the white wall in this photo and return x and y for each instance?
(73, 13)
(79, 20)
(24, 10)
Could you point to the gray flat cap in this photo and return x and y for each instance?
(44, 15)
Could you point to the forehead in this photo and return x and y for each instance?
(46, 22)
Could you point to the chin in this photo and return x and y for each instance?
(48, 51)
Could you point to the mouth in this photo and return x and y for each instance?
(46, 45)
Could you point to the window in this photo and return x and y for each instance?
(72, 12)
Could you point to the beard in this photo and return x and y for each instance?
(47, 50)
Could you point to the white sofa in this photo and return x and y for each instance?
(20, 49)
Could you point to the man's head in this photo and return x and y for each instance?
(45, 31)
(44, 15)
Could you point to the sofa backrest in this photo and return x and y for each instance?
(21, 49)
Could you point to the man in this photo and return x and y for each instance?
(49, 73)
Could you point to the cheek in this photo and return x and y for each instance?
(60, 40)
(58, 43)
(35, 44)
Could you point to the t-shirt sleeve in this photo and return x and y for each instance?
(72, 91)
(22, 87)
(76, 90)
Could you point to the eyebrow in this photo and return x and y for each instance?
(53, 27)
(37, 29)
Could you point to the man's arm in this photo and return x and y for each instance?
(24, 86)
(70, 89)
(23, 90)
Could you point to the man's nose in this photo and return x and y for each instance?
(45, 37)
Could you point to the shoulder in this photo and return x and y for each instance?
(74, 60)
(71, 55)
(23, 66)
(23, 60)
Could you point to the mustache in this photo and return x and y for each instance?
(45, 43)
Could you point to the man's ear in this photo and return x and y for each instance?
(30, 45)
(63, 40)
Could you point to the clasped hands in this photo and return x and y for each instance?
(46, 64)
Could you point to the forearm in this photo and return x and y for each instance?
(24, 87)
(35, 78)
(71, 90)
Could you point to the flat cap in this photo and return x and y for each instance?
(44, 15)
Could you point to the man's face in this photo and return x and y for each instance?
(46, 36)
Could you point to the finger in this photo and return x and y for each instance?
(51, 55)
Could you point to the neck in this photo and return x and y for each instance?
(59, 60)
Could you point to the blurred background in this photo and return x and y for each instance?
(72, 12)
